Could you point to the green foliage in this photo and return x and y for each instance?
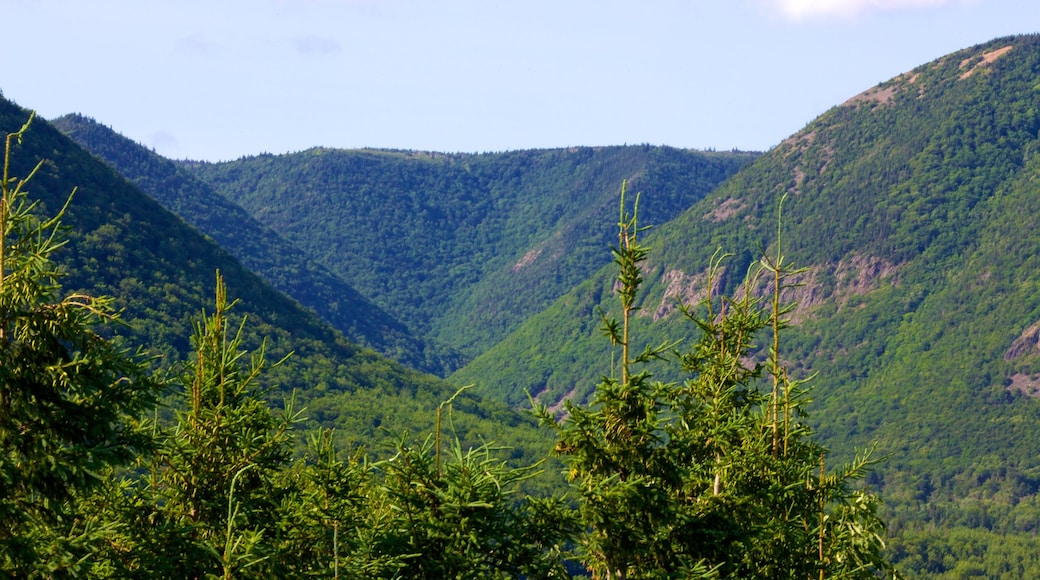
(259, 248)
(714, 475)
(221, 496)
(927, 179)
(68, 396)
(961, 552)
(461, 247)
(159, 272)
(912, 207)
(333, 523)
(456, 519)
(214, 474)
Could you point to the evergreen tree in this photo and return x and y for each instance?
(210, 501)
(718, 475)
(332, 523)
(221, 498)
(459, 518)
(68, 395)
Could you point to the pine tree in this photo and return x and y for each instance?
(68, 395)
(457, 514)
(210, 502)
(718, 475)
(332, 522)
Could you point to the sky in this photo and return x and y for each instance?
(221, 79)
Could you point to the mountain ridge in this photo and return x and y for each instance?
(911, 205)
(443, 232)
(259, 248)
(161, 272)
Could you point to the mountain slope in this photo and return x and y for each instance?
(914, 207)
(258, 248)
(161, 271)
(463, 247)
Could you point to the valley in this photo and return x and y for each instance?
(397, 278)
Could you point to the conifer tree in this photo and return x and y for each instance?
(332, 522)
(717, 476)
(457, 515)
(68, 395)
(211, 498)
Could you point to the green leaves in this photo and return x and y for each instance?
(672, 479)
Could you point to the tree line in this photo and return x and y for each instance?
(715, 476)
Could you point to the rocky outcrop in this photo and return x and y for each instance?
(1027, 343)
(854, 275)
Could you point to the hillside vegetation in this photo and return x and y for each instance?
(461, 247)
(209, 487)
(161, 273)
(259, 248)
(913, 207)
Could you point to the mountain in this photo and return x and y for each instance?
(161, 271)
(913, 207)
(462, 247)
(259, 248)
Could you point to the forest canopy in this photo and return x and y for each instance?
(94, 487)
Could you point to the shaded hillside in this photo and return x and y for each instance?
(463, 247)
(259, 248)
(913, 205)
(162, 272)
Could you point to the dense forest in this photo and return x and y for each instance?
(257, 247)
(716, 410)
(669, 479)
(462, 247)
(160, 272)
(911, 206)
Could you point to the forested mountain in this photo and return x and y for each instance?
(462, 247)
(161, 272)
(259, 248)
(914, 208)
(101, 482)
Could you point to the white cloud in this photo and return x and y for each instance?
(806, 9)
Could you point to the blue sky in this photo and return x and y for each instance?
(219, 79)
